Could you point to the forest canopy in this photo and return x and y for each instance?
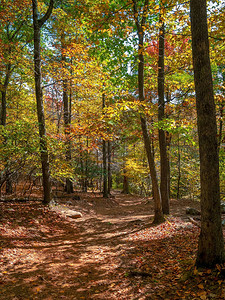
(89, 64)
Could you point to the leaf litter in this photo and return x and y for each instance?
(111, 252)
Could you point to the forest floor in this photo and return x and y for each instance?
(111, 252)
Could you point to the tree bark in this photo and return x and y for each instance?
(104, 170)
(164, 186)
(104, 154)
(67, 123)
(69, 183)
(211, 243)
(158, 214)
(178, 166)
(86, 166)
(109, 168)
(37, 24)
(221, 110)
(4, 93)
(82, 168)
(9, 188)
(168, 142)
(125, 184)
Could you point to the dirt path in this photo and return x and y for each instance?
(111, 252)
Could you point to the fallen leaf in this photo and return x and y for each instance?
(201, 286)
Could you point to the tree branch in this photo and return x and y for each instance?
(47, 14)
(144, 14)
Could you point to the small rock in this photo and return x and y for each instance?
(222, 207)
(53, 203)
(69, 203)
(192, 211)
(73, 214)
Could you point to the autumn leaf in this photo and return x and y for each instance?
(201, 286)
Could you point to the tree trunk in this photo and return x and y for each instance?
(211, 243)
(37, 24)
(82, 168)
(125, 184)
(178, 167)
(69, 183)
(109, 168)
(221, 110)
(164, 188)
(9, 188)
(4, 93)
(104, 154)
(86, 166)
(67, 118)
(153, 151)
(168, 142)
(104, 170)
(3, 108)
(158, 214)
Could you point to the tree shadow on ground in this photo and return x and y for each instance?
(110, 254)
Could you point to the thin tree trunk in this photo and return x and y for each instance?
(221, 116)
(37, 24)
(3, 108)
(109, 168)
(211, 243)
(86, 166)
(168, 142)
(153, 152)
(69, 183)
(97, 182)
(82, 168)
(104, 170)
(4, 93)
(125, 178)
(168, 174)
(125, 183)
(161, 115)
(67, 119)
(104, 154)
(9, 188)
(220, 125)
(158, 214)
(178, 167)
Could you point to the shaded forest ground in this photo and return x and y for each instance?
(111, 252)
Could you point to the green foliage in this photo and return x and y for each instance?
(100, 52)
(18, 148)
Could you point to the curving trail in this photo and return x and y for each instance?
(111, 252)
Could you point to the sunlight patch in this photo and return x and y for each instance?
(171, 227)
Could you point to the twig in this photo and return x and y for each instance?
(194, 222)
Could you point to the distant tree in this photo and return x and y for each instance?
(67, 118)
(140, 21)
(211, 244)
(104, 155)
(109, 167)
